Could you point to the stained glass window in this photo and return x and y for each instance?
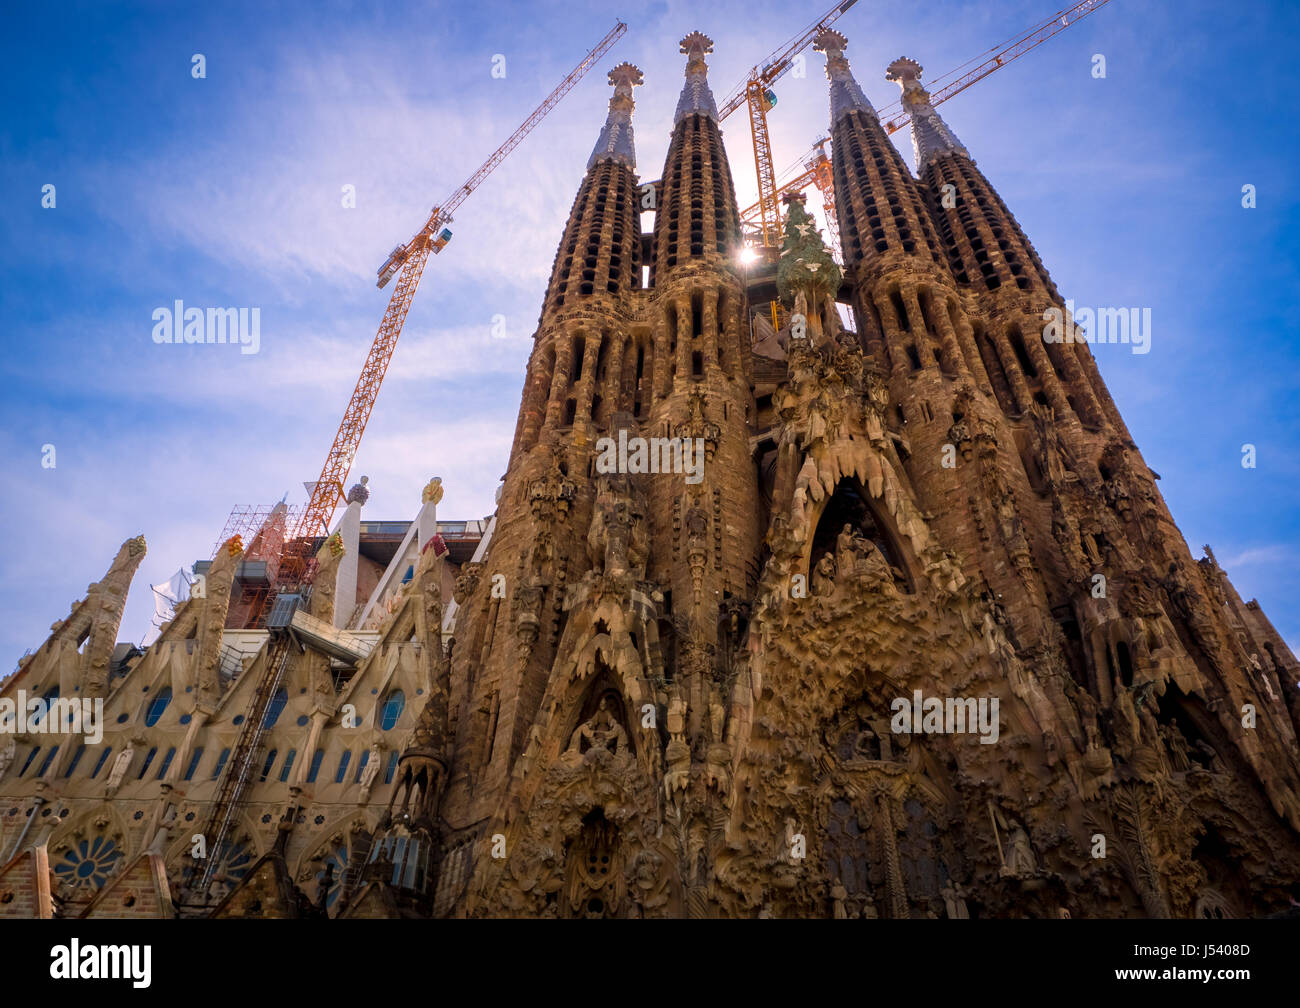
(392, 710)
(157, 706)
(89, 863)
(275, 708)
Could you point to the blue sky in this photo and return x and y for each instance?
(226, 191)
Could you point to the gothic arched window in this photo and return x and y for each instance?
(847, 853)
(157, 706)
(48, 697)
(275, 708)
(393, 707)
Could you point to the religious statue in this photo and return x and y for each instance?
(120, 766)
(600, 731)
(370, 772)
(954, 902)
(824, 576)
(845, 549)
(839, 895)
(1213, 763)
(1021, 861)
(1177, 747)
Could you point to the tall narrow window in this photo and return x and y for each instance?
(393, 707)
(30, 756)
(157, 706)
(76, 758)
(47, 698)
(45, 764)
(361, 766)
(288, 765)
(579, 352)
(344, 760)
(194, 763)
(392, 766)
(166, 763)
(221, 763)
(147, 761)
(103, 758)
(270, 762)
(275, 707)
(316, 761)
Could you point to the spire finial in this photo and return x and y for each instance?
(846, 94)
(697, 98)
(931, 137)
(616, 141)
(696, 45)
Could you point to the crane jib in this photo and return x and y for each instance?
(408, 265)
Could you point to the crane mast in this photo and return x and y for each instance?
(756, 91)
(295, 571)
(410, 259)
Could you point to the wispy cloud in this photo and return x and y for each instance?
(228, 191)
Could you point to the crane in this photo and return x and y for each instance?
(756, 91)
(816, 162)
(295, 571)
(410, 259)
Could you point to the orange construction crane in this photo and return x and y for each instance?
(407, 262)
(294, 572)
(410, 259)
(817, 168)
(757, 91)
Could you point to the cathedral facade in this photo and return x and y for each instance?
(885, 621)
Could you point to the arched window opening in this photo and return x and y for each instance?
(47, 698)
(275, 708)
(148, 760)
(157, 706)
(166, 763)
(593, 869)
(579, 351)
(900, 311)
(344, 760)
(393, 707)
(1022, 355)
(189, 770)
(1125, 664)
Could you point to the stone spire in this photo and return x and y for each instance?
(616, 142)
(697, 98)
(931, 137)
(91, 626)
(846, 95)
